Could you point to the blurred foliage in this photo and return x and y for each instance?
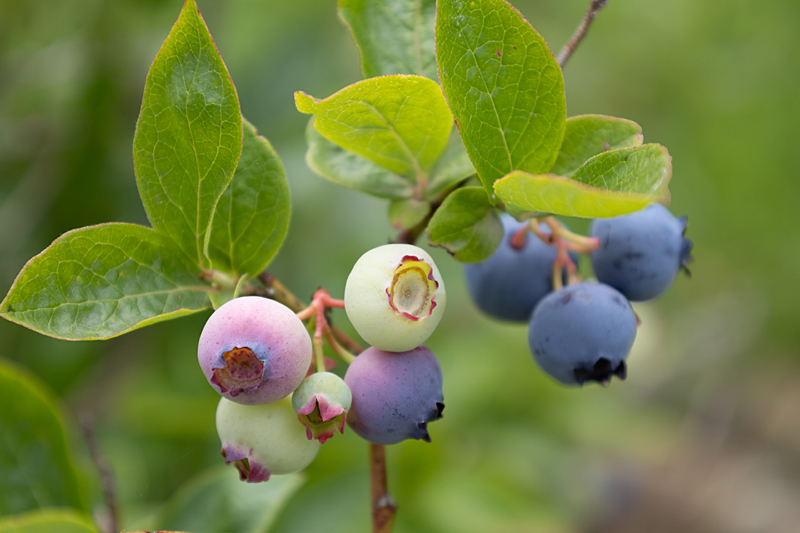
(702, 437)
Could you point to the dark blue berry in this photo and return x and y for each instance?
(583, 333)
(640, 254)
(511, 282)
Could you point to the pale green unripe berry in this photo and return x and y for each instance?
(321, 403)
(395, 297)
(261, 440)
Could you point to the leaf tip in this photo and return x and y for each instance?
(304, 102)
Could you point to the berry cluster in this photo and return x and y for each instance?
(584, 331)
(275, 411)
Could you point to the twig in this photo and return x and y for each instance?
(581, 31)
(410, 236)
(383, 506)
(277, 291)
(349, 343)
(106, 479)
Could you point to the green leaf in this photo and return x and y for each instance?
(466, 225)
(609, 184)
(35, 466)
(349, 169)
(252, 216)
(405, 214)
(585, 136)
(453, 167)
(102, 281)
(189, 134)
(47, 521)
(400, 122)
(217, 501)
(503, 85)
(393, 36)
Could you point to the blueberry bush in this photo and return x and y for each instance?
(461, 124)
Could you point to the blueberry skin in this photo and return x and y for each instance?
(583, 333)
(640, 254)
(511, 282)
(395, 394)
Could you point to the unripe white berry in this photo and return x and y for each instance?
(261, 440)
(395, 297)
(321, 403)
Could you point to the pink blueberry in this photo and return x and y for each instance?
(254, 350)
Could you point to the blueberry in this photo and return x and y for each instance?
(321, 403)
(640, 254)
(254, 350)
(511, 282)
(261, 440)
(395, 297)
(395, 395)
(583, 333)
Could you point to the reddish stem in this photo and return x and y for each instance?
(547, 238)
(563, 261)
(519, 238)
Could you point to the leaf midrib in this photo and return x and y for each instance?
(489, 94)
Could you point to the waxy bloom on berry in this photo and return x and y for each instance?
(254, 350)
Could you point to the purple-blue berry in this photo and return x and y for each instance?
(640, 254)
(511, 282)
(583, 333)
(395, 394)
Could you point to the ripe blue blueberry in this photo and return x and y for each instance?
(640, 254)
(511, 282)
(395, 395)
(583, 333)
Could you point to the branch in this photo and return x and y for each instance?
(110, 521)
(383, 506)
(278, 292)
(581, 31)
(410, 236)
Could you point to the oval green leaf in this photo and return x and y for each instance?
(216, 500)
(610, 184)
(348, 169)
(400, 122)
(102, 281)
(252, 216)
(466, 225)
(189, 134)
(393, 36)
(503, 85)
(585, 136)
(35, 465)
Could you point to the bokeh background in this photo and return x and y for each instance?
(704, 436)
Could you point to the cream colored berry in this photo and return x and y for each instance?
(261, 440)
(395, 297)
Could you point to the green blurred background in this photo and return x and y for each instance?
(704, 435)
